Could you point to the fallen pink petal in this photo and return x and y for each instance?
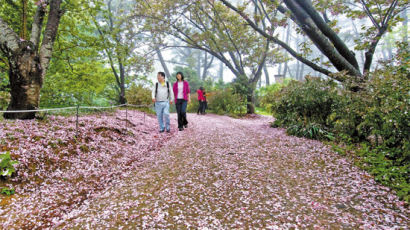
(220, 173)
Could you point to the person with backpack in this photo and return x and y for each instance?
(162, 96)
(182, 98)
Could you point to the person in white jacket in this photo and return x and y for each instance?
(162, 96)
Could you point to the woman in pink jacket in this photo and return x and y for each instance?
(182, 98)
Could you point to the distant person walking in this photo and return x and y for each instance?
(201, 100)
(162, 96)
(182, 98)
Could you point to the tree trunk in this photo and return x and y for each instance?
(23, 32)
(221, 72)
(164, 65)
(205, 64)
(287, 42)
(25, 84)
(265, 70)
(27, 66)
(198, 65)
(297, 70)
(250, 98)
(122, 99)
(301, 71)
(405, 26)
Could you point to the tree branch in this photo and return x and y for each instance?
(328, 32)
(50, 34)
(9, 40)
(37, 25)
(227, 31)
(372, 48)
(321, 42)
(279, 42)
(369, 14)
(108, 52)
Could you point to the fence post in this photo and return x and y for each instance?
(76, 123)
(126, 117)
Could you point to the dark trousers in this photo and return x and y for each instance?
(181, 105)
(201, 108)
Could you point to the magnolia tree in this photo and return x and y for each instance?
(317, 20)
(211, 27)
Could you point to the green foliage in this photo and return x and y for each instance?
(85, 83)
(138, 95)
(4, 99)
(385, 171)
(310, 130)
(7, 191)
(262, 111)
(376, 116)
(226, 102)
(194, 105)
(265, 95)
(12, 13)
(190, 75)
(379, 113)
(304, 103)
(77, 73)
(6, 164)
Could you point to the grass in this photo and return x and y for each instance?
(262, 111)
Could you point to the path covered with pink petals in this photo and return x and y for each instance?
(225, 173)
(220, 173)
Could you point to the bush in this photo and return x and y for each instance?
(376, 118)
(139, 95)
(226, 102)
(194, 105)
(265, 96)
(6, 164)
(4, 100)
(305, 103)
(311, 131)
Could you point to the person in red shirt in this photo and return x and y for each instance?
(201, 100)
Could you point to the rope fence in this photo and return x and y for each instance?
(78, 108)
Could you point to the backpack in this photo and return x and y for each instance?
(156, 89)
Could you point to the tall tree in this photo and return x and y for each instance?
(123, 39)
(209, 26)
(28, 61)
(311, 18)
(78, 73)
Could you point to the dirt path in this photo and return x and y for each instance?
(224, 173)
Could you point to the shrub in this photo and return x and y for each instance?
(194, 105)
(4, 99)
(305, 102)
(376, 117)
(7, 191)
(265, 96)
(311, 131)
(139, 95)
(226, 101)
(6, 164)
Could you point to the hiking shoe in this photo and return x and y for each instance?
(186, 126)
(180, 129)
(161, 131)
(168, 130)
